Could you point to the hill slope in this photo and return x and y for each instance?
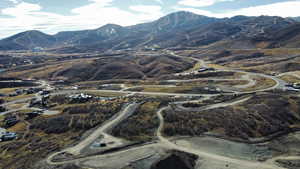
(27, 40)
(177, 29)
(122, 67)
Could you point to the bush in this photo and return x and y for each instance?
(53, 125)
(80, 117)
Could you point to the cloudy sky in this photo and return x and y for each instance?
(51, 16)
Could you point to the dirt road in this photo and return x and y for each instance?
(207, 155)
(125, 113)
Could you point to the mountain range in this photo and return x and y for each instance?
(180, 29)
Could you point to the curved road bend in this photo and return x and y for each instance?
(279, 83)
(207, 155)
(125, 113)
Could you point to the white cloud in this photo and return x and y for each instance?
(147, 12)
(159, 1)
(25, 16)
(102, 2)
(283, 9)
(200, 3)
(13, 1)
(21, 9)
(145, 8)
(101, 12)
(28, 16)
(197, 11)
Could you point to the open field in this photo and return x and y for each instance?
(261, 83)
(8, 90)
(24, 96)
(290, 79)
(141, 126)
(104, 94)
(179, 89)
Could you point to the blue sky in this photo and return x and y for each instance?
(52, 16)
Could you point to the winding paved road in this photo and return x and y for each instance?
(164, 142)
(207, 155)
(101, 131)
(125, 113)
(280, 84)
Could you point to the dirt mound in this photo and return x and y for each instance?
(176, 160)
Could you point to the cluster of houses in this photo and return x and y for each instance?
(80, 98)
(195, 72)
(151, 48)
(24, 91)
(6, 136)
(212, 89)
(38, 49)
(83, 98)
(36, 102)
(12, 120)
(40, 101)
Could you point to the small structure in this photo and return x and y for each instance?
(296, 85)
(204, 69)
(35, 102)
(184, 74)
(32, 115)
(80, 98)
(13, 94)
(2, 101)
(212, 89)
(293, 86)
(2, 131)
(195, 72)
(32, 90)
(99, 144)
(19, 91)
(106, 98)
(6, 136)
(2, 109)
(10, 121)
(38, 49)
(75, 87)
(44, 92)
